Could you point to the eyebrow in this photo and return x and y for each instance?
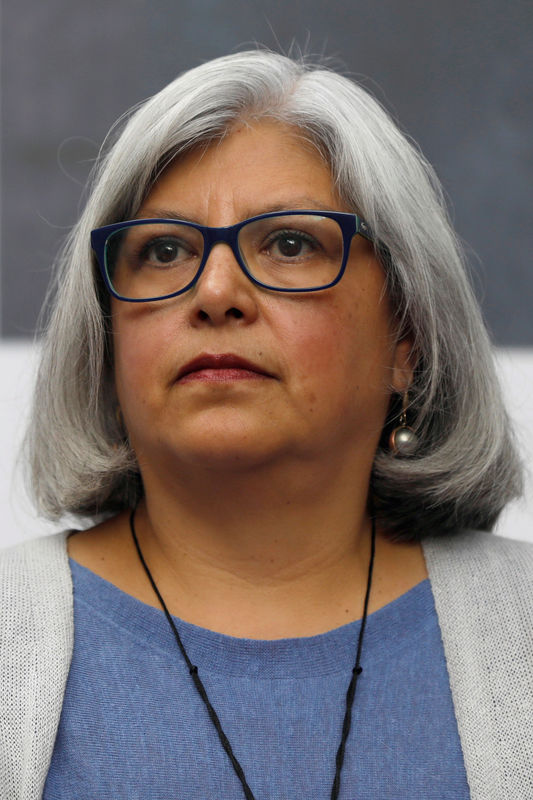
(165, 213)
(302, 203)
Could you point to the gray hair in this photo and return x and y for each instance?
(466, 468)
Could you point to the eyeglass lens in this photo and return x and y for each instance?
(284, 252)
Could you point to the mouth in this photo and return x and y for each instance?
(221, 367)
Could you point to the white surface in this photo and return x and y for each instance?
(17, 366)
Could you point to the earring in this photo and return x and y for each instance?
(403, 441)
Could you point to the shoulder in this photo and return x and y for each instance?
(480, 562)
(36, 620)
(35, 591)
(483, 590)
(482, 570)
(36, 602)
(35, 568)
(478, 553)
(43, 548)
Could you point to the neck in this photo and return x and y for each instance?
(260, 526)
(256, 550)
(256, 554)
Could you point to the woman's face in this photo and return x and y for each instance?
(324, 362)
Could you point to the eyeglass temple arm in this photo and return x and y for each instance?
(364, 229)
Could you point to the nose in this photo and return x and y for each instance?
(223, 293)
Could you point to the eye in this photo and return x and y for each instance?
(291, 244)
(165, 250)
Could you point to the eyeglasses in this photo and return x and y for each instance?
(294, 251)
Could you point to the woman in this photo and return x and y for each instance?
(269, 385)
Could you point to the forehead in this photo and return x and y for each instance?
(257, 167)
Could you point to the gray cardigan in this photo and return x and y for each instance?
(483, 589)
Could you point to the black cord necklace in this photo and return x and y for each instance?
(193, 670)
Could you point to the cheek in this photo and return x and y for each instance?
(340, 352)
(139, 349)
(336, 338)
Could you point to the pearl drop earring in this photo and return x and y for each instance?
(403, 441)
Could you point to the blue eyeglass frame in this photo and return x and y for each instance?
(350, 225)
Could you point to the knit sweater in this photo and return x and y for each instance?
(483, 591)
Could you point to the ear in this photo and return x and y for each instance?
(403, 365)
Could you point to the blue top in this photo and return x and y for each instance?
(133, 726)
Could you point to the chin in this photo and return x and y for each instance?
(230, 445)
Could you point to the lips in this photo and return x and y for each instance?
(221, 367)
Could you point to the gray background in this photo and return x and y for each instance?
(457, 74)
